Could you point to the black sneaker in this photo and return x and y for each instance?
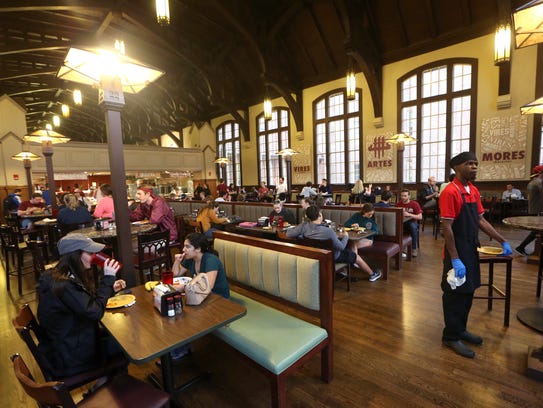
(521, 251)
(376, 275)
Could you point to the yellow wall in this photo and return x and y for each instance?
(522, 91)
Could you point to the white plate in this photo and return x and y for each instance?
(181, 280)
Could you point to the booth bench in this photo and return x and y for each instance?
(285, 275)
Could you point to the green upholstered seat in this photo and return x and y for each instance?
(271, 338)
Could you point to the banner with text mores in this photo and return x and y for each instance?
(503, 148)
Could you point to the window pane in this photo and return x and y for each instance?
(335, 105)
(273, 138)
(461, 77)
(434, 82)
(409, 89)
(353, 106)
(320, 112)
(228, 145)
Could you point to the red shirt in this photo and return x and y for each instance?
(411, 207)
(450, 200)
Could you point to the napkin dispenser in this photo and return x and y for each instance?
(162, 293)
(102, 223)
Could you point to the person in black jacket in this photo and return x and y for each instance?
(70, 308)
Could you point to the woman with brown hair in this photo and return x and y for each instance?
(208, 216)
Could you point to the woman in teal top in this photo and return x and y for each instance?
(198, 257)
(363, 219)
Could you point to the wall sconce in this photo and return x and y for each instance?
(502, 44)
(527, 21)
(56, 121)
(267, 108)
(65, 110)
(78, 98)
(350, 81)
(162, 12)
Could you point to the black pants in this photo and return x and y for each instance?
(456, 307)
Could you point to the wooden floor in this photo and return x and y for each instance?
(388, 350)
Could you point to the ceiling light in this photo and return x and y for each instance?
(162, 12)
(56, 121)
(78, 98)
(65, 110)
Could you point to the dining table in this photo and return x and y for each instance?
(111, 232)
(144, 334)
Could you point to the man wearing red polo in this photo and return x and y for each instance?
(461, 218)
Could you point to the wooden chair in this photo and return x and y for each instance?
(38, 249)
(153, 252)
(338, 266)
(123, 391)
(14, 247)
(31, 333)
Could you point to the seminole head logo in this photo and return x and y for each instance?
(379, 146)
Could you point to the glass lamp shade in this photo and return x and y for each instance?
(502, 44)
(532, 107)
(401, 138)
(44, 135)
(89, 66)
(222, 161)
(25, 155)
(528, 24)
(351, 85)
(287, 153)
(162, 12)
(267, 108)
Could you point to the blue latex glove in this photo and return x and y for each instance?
(459, 268)
(506, 246)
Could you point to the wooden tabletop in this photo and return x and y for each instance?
(144, 334)
(533, 222)
(93, 233)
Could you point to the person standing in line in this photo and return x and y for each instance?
(535, 204)
(462, 217)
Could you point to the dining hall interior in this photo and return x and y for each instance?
(254, 91)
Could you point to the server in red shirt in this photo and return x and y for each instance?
(461, 218)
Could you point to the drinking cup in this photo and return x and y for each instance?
(167, 277)
(99, 258)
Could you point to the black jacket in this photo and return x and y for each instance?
(69, 317)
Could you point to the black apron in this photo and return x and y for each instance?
(465, 228)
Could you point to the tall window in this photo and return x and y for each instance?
(337, 137)
(229, 146)
(273, 135)
(437, 107)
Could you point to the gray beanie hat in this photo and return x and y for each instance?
(75, 242)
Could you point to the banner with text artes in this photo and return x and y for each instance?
(379, 157)
(503, 148)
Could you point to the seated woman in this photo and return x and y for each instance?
(208, 216)
(70, 308)
(72, 214)
(363, 218)
(263, 192)
(198, 257)
(105, 207)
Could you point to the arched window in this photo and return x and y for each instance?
(272, 135)
(337, 124)
(229, 146)
(437, 106)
